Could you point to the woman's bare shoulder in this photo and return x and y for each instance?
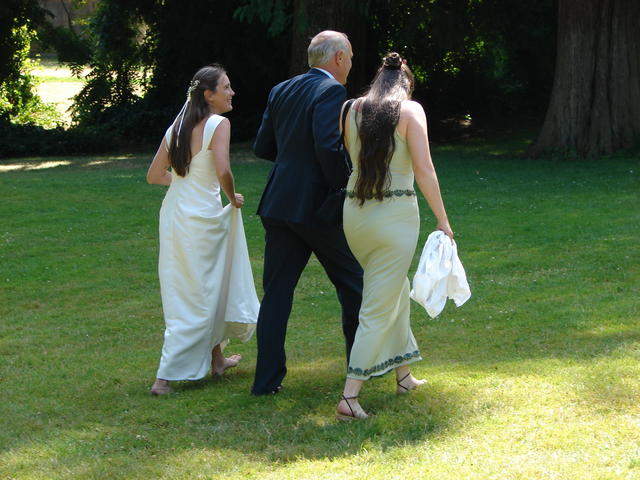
(411, 113)
(411, 108)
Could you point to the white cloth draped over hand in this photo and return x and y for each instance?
(440, 275)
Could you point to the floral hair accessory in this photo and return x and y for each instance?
(192, 86)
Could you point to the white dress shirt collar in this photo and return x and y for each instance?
(328, 74)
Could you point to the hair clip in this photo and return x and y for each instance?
(192, 86)
(393, 62)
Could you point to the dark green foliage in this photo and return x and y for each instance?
(481, 58)
(18, 20)
(155, 47)
(70, 47)
(116, 64)
(193, 34)
(274, 13)
(27, 140)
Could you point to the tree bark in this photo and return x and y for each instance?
(595, 101)
(313, 16)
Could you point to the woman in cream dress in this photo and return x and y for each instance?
(386, 135)
(207, 288)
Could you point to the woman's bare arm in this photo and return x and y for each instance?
(423, 169)
(158, 173)
(220, 147)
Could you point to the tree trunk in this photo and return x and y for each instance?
(313, 16)
(595, 101)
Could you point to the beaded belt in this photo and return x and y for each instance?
(385, 194)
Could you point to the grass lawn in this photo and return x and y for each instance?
(57, 85)
(536, 377)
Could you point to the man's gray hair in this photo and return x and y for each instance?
(325, 45)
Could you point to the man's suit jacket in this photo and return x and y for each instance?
(299, 132)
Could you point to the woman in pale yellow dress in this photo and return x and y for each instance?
(386, 135)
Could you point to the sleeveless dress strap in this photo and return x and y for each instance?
(167, 136)
(209, 128)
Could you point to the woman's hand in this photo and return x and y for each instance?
(446, 228)
(238, 200)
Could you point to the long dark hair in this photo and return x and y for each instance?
(380, 110)
(180, 147)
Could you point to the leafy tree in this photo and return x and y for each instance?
(144, 53)
(305, 18)
(18, 22)
(117, 63)
(481, 57)
(313, 16)
(70, 42)
(190, 35)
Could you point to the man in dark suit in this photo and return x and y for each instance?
(299, 133)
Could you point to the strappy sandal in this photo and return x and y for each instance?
(354, 415)
(399, 383)
(407, 389)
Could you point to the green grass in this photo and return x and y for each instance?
(53, 79)
(536, 377)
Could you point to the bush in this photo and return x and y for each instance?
(32, 140)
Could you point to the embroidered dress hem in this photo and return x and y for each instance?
(385, 367)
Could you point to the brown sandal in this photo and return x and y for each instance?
(402, 390)
(354, 415)
(399, 383)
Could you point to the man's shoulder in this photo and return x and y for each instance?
(317, 77)
(297, 78)
(324, 86)
(313, 83)
(325, 80)
(287, 84)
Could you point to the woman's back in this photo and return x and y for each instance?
(201, 168)
(400, 166)
(381, 223)
(382, 236)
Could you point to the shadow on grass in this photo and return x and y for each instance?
(299, 423)
(241, 153)
(119, 427)
(285, 428)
